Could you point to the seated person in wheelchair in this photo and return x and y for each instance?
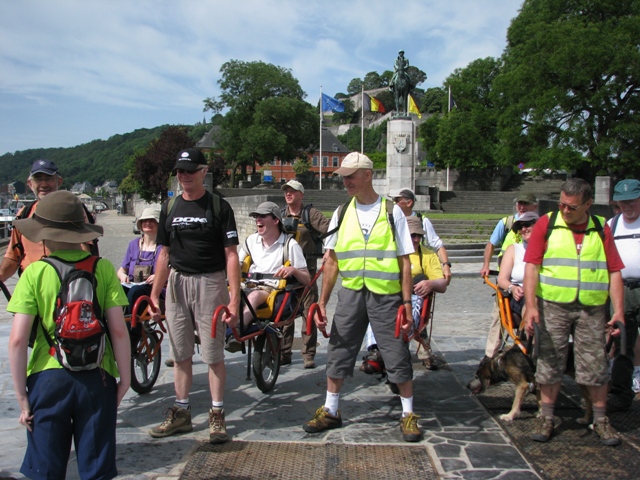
(428, 277)
(511, 274)
(275, 258)
(138, 267)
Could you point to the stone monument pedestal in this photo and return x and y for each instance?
(401, 160)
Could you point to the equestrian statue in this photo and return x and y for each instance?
(401, 84)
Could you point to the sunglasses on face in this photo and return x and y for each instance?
(182, 171)
(527, 224)
(416, 235)
(571, 208)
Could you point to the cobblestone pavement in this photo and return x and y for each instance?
(461, 438)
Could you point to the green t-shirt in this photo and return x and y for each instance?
(36, 292)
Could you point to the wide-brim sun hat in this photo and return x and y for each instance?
(149, 213)
(60, 217)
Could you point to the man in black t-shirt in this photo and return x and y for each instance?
(199, 241)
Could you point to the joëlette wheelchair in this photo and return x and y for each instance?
(264, 335)
(146, 336)
(512, 331)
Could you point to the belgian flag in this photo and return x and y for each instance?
(372, 104)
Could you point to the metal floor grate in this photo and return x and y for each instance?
(262, 460)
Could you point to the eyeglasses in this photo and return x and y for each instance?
(572, 208)
(416, 235)
(44, 178)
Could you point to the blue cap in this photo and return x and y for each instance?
(627, 190)
(43, 166)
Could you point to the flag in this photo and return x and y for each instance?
(372, 104)
(413, 107)
(452, 103)
(331, 104)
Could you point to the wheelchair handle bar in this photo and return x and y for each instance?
(136, 307)
(401, 319)
(313, 310)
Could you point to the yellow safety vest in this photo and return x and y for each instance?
(565, 275)
(371, 263)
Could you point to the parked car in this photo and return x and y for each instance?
(135, 227)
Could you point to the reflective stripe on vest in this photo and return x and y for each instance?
(566, 276)
(373, 263)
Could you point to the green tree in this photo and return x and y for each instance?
(348, 116)
(355, 86)
(153, 166)
(435, 101)
(466, 137)
(372, 80)
(416, 75)
(385, 78)
(267, 116)
(568, 93)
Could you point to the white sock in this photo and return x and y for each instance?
(331, 403)
(182, 403)
(217, 404)
(407, 405)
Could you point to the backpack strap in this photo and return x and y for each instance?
(597, 226)
(508, 223)
(614, 225)
(24, 213)
(342, 209)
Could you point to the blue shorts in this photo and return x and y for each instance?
(71, 405)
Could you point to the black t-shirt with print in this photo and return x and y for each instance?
(197, 247)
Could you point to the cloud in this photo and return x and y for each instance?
(163, 56)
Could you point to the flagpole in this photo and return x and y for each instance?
(362, 122)
(320, 158)
(449, 107)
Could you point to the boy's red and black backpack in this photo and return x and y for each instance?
(80, 330)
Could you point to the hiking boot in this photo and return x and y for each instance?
(429, 363)
(410, 430)
(322, 420)
(615, 403)
(232, 345)
(544, 429)
(608, 436)
(178, 421)
(309, 363)
(217, 426)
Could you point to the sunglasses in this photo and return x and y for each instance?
(572, 208)
(416, 235)
(526, 224)
(182, 171)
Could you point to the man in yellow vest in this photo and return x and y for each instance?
(370, 250)
(572, 267)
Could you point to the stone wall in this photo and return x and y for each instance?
(242, 206)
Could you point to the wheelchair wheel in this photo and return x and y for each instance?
(266, 361)
(145, 371)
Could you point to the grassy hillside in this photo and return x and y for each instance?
(94, 162)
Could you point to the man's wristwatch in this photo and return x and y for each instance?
(448, 264)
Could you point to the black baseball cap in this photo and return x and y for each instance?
(190, 160)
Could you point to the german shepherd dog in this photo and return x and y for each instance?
(514, 366)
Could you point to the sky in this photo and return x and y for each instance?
(73, 71)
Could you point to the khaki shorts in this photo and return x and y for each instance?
(588, 325)
(190, 303)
